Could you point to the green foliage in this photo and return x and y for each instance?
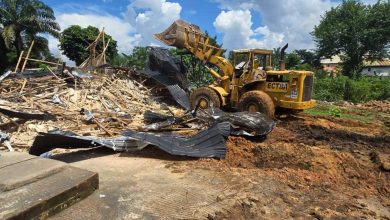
(320, 74)
(137, 59)
(334, 111)
(297, 60)
(4, 62)
(25, 18)
(43, 67)
(330, 89)
(276, 57)
(356, 31)
(292, 60)
(213, 40)
(327, 109)
(197, 74)
(355, 90)
(75, 40)
(308, 57)
(121, 60)
(304, 66)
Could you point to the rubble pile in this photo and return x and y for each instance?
(102, 106)
(383, 106)
(117, 108)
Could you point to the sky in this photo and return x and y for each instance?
(236, 23)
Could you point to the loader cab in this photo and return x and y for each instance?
(251, 64)
(251, 59)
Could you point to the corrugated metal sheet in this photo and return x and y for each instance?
(207, 143)
(180, 96)
(169, 71)
(45, 142)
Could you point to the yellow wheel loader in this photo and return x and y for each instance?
(249, 83)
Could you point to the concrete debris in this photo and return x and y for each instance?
(5, 75)
(4, 139)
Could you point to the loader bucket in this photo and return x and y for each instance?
(180, 33)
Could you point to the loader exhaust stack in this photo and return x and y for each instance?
(282, 63)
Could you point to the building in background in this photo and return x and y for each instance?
(331, 65)
(371, 68)
(377, 68)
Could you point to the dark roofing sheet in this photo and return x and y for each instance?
(207, 143)
(26, 115)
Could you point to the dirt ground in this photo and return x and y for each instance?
(325, 167)
(308, 167)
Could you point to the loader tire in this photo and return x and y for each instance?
(257, 101)
(205, 97)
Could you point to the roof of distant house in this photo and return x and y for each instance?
(376, 63)
(333, 60)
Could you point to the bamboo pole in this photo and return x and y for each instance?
(104, 44)
(20, 58)
(43, 61)
(28, 55)
(53, 73)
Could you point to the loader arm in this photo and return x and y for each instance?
(183, 35)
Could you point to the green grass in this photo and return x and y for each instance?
(334, 111)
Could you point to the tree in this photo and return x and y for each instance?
(198, 75)
(292, 60)
(276, 57)
(355, 31)
(137, 59)
(308, 57)
(75, 40)
(25, 18)
(3, 54)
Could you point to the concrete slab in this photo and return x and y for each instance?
(37, 188)
(9, 158)
(133, 187)
(27, 171)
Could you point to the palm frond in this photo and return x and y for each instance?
(9, 35)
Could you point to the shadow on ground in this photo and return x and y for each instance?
(148, 152)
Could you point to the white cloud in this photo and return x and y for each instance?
(236, 25)
(150, 17)
(136, 27)
(283, 20)
(114, 26)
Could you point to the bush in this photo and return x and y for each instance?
(334, 111)
(330, 89)
(358, 90)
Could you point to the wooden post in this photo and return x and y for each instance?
(20, 58)
(104, 44)
(28, 55)
(42, 61)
